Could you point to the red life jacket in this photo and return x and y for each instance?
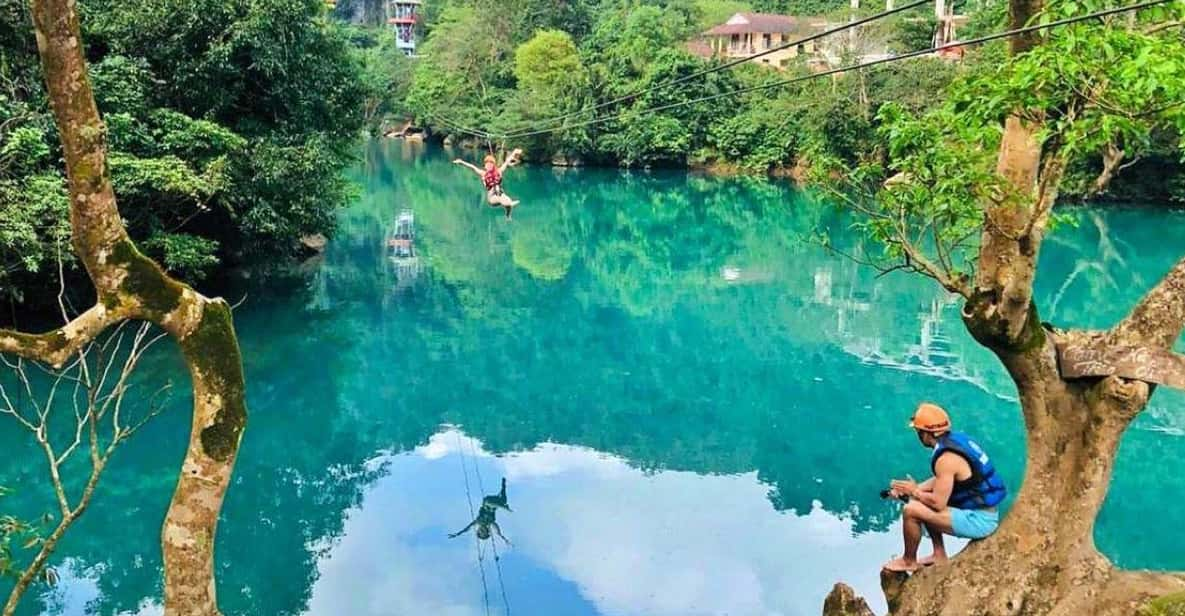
(491, 178)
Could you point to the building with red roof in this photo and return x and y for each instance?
(745, 34)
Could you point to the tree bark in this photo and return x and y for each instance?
(1043, 560)
(131, 286)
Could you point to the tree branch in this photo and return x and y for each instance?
(1164, 26)
(1159, 318)
(129, 285)
(1112, 159)
(55, 347)
(925, 265)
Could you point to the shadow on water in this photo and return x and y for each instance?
(695, 409)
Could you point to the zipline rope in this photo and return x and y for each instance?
(485, 591)
(738, 61)
(493, 540)
(852, 67)
(460, 127)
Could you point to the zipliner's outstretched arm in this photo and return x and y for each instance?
(472, 167)
(463, 530)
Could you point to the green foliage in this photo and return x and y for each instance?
(655, 130)
(712, 13)
(1168, 605)
(34, 229)
(190, 255)
(466, 76)
(1091, 87)
(763, 137)
(799, 7)
(229, 125)
(914, 33)
(24, 150)
(386, 75)
(123, 84)
(547, 63)
(15, 536)
(465, 70)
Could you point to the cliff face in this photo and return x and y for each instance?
(361, 12)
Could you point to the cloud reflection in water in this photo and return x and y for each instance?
(592, 535)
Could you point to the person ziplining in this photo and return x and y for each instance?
(487, 516)
(491, 178)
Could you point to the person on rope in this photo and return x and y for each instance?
(959, 500)
(486, 517)
(491, 177)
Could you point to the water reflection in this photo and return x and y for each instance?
(694, 409)
(594, 535)
(487, 516)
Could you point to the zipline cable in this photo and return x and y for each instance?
(461, 127)
(738, 61)
(485, 591)
(853, 67)
(473, 132)
(477, 132)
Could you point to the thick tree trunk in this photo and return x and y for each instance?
(1043, 559)
(131, 286)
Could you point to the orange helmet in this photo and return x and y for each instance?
(930, 418)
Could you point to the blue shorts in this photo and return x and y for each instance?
(973, 523)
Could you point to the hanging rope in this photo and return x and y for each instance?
(485, 591)
(493, 541)
(852, 67)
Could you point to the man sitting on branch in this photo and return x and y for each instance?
(960, 499)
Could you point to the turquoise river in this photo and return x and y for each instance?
(693, 405)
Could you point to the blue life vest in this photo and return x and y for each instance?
(983, 488)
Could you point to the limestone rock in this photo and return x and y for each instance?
(313, 244)
(843, 601)
(893, 582)
(560, 160)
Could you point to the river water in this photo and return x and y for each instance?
(693, 405)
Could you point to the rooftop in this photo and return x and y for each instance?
(764, 23)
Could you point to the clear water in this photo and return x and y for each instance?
(694, 408)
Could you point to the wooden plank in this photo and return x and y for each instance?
(1159, 366)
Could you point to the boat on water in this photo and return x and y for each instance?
(401, 249)
(401, 241)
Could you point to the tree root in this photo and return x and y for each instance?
(1122, 593)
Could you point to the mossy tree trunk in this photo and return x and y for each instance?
(130, 286)
(1043, 559)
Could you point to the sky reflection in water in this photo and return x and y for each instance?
(592, 535)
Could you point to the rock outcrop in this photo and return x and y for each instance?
(843, 601)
